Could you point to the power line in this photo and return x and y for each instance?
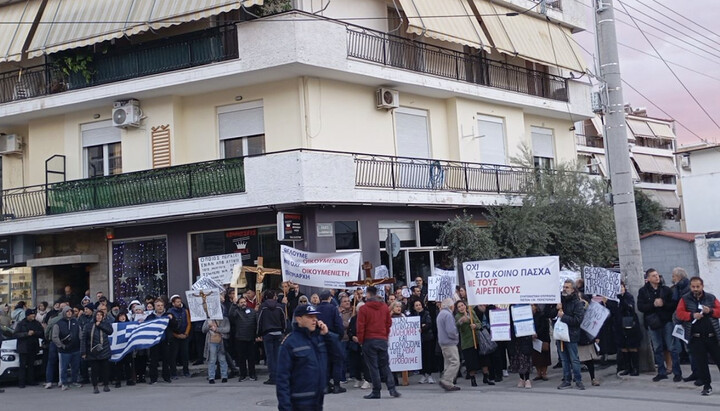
(680, 23)
(688, 19)
(672, 71)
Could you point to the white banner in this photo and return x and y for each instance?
(219, 267)
(599, 281)
(329, 270)
(405, 344)
(531, 280)
(441, 287)
(207, 283)
(204, 304)
(523, 320)
(594, 318)
(500, 325)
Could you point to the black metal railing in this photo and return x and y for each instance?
(143, 187)
(589, 141)
(428, 174)
(154, 57)
(390, 50)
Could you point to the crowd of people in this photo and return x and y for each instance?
(341, 339)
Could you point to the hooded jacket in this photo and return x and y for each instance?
(271, 317)
(373, 321)
(66, 333)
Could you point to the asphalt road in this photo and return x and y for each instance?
(636, 393)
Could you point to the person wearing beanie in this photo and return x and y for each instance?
(28, 333)
(95, 348)
(125, 368)
(66, 336)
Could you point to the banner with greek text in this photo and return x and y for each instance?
(531, 280)
(219, 267)
(600, 281)
(323, 270)
(405, 344)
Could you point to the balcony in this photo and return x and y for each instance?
(123, 190)
(589, 141)
(154, 57)
(399, 52)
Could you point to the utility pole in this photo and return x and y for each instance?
(623, 195)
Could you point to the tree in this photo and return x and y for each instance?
(649, 213)
(466, 240)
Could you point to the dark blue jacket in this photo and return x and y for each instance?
(330, 315)
(301, 375)
(181, 319)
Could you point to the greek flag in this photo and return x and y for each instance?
(130, 336)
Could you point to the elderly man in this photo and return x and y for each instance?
(571, 311)
(448, 339)
(699, 311)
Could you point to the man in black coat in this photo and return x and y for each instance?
(656, 303)
(271, 326)
(570, 311)
(28, 333)
(244, 323)
(330, 316)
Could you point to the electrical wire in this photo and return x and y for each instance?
(673, 72)
(680, 23)
(688, 19)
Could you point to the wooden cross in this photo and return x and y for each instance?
(368, 281)
(240, 281)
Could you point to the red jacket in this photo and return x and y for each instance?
(373, 321)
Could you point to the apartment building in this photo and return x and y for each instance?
(651, 142)
(699, 175)
(133, 149)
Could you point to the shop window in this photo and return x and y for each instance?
(139, 268)
(15, 286)
(347, 235)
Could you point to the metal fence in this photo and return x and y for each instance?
(428, 174)
(407, 54)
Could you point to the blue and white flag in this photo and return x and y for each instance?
(130, 336)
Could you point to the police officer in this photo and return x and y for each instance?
(302, 362)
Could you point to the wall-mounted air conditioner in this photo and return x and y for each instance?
(387, 99)
(126, 113)
(10, 144)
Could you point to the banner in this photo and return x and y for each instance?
(523, 320)
(329, 270)
(207, 283)
(441, 287)
(219, 267)
(204, 304)
(132, 335)
(531, 280)
(405, 344)
(500, 325)
(594, 318)
(599, 281)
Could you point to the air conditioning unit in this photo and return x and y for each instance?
(685, 161)
(126, 113)
(387, 99)
(10, 144)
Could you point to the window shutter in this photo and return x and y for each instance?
(160, 136)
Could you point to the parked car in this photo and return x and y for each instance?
(9, 358)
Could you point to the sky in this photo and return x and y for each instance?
(652, 78)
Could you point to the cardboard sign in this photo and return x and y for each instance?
(219, 267)
(500, 325)
(594, 318)
(405, 344)
(322, 270)
(441, 287)
(599, 281)
(204, 304)
(523, 320)
(530, 280)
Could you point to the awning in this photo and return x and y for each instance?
(666, 198)
(430, 18)
(640, 128)
(661, 129)
(599, 127)
(67, 24)
(599, 159)
(530, 37)
(655, 164)
(16, 20)
(64, 260)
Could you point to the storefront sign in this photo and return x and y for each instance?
(405, 344)
(290, 226)
(329, 270)
(325, 229)
(6, 257)
(531, 280)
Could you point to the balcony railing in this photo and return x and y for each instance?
(440, 175)
(589, 141)
(143, 187)
(159, 56)
(389, 50)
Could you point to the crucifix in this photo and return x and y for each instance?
(204, 301)
(368, 281)
(239, 279)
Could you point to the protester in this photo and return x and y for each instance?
(315, 299)
(448, 339)
(346, 313)
(571, 312)
(271, 327)
(699, 311)
(161, 351)
(216, 331)
(85, 318)
(373, 329)
(66, 336)
(489, 362)
(95, 348)
(541, 360)
(303, 362)
(396, 309)
(656, 303)
(680, 287)
(243, 320)
(428, 340)
(180, 341)
(330, 316)
(42, 310)
(28, 332)
(628, 334)
(53, 359)
(467, 322)
(125, 368)
(18, 314)
(520, 350)
(587, 352)
(361, 375)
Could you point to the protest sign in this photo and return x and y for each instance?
(594, 318)
(599, 281)
(523, 320)
(531, 280)
(207, 283)
(405, 344)
(323, 270)
(441, 285)
(500, 325)
(204, 304)
(219, 267)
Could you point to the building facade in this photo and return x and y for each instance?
(132, 150)
(699, 170)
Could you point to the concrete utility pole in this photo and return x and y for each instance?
(623, 196)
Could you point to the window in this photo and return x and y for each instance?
(101, 148)
(139, 268)
(492, 139)
(543, 147)
(347, 235)
(412, 133)
(241, 129)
